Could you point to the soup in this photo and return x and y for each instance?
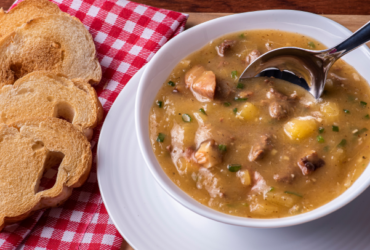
(260, 148)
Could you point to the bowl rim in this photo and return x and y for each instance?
(183, 198)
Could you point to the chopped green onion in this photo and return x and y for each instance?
(242, 35)
(240, 99)
(311, 44)
(222, 147)
(234, 167)
(321, 130)
(171, 83)
(293, 193)
(245, 204)
(159, 104)
(271, 189)
(335, 128)
(359, 132)
(234, 74)
(346, 111)
(363, 103)
(161, 137)
(201, 110)
(342, 143)
(240, 86)
(227, 104)
(320, 139)
(235, 110)
(186, 118)
(367, 116)
(326, 148)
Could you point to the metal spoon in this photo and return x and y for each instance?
(307, 68)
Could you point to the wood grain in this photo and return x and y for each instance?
(346, 7)
(5, 4)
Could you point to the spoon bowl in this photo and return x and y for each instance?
(306, 68)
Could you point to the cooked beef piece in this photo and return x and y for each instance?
(286, 178)
(208, 154)
(310, 163)
(253, 55)
(281, 104)
(226, 44)
(278, 110)
(224, 89)
(259, 150)
(201, 82)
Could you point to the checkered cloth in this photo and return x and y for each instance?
(126, 36)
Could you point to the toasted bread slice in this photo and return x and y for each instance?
(56, 43)
(27, 149)
(46, 94)
(25, 11)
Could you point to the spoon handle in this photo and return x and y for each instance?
(358, 38)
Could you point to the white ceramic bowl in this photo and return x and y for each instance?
(324, 30)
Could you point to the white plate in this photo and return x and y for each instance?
(148, 218)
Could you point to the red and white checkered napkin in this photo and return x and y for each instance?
(126, 36)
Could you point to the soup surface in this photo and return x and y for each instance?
(261, 148)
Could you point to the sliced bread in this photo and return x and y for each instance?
(25, 11)
(27, 149)
(46, 94)
(56, 43)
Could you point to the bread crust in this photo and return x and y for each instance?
(24, 12)
(22, 165)
(56, 43)
(43, 93)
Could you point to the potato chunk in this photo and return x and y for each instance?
(201, 82)
(245, 177)
(279, 198)
(300, 128)
(248, 112)
(330, 111)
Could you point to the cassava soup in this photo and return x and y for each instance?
(260, 148)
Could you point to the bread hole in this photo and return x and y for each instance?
(18, 72)
(50, 171)
(64, 111)
(37, 145)
(50, 98)
(24, 91)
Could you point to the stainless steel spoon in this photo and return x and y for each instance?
(307, 68)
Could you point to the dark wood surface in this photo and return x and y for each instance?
(5, 4)
(347, 7)
(341, 7)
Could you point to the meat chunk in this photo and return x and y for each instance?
(201, 82)
(226, 44)
(259, 150)
(260, 185)
(310, 163)
(224, 89)
(280, 106)
(210, 181)
(287, 179)
(208, 154)
(253, 55)
(278, 110)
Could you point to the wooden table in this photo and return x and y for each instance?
(352, 14)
